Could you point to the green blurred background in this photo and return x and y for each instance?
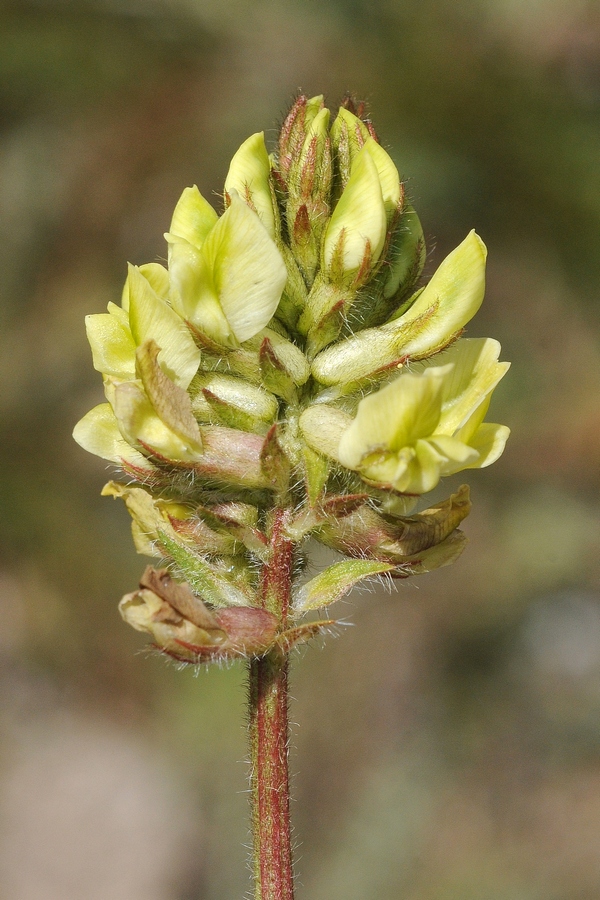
(448, 745)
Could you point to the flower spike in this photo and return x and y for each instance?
(289, 378)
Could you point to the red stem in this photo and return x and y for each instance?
(269, 733)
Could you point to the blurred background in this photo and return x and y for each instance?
(448, 745)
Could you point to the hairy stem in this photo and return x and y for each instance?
(268, 701)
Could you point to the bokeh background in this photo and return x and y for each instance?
(447, 745)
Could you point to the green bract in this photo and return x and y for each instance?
(289, 367)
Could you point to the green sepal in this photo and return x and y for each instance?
(205, 578)
(334, 582)
(275, 376)
(224, 413)
(300, 634)
(295, 127)
(289, 356)
(407, 253)
(274, 461)
(391, 293)
(293, 299)
(304, 242)
(316, 473)
(240, 520)
(323, 315)
(283, 366)
(436, 557)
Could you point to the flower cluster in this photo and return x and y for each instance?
(287, 376)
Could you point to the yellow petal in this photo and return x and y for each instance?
(248, 270)
(489, 441)
(98, 433)
(430, 462)
(120, 314)
(158, 278)
(113, 347)
(193, 217)
(322, 427)
(152, 318)
(194, 294)
(389, 178)
(394, 417)
(360, 214)
(457, 455)
(475, 373)
(249, 175)
(448, 301)
(140, 425)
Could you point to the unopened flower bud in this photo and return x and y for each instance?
(406, 255)
(309, 187)
(283, 369)
(294, 129)
(357, 228)
(352, 245)
(348, 136)
(227, 400)
(436, 317)
(310, 174)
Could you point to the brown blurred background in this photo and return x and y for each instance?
(448, 745)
